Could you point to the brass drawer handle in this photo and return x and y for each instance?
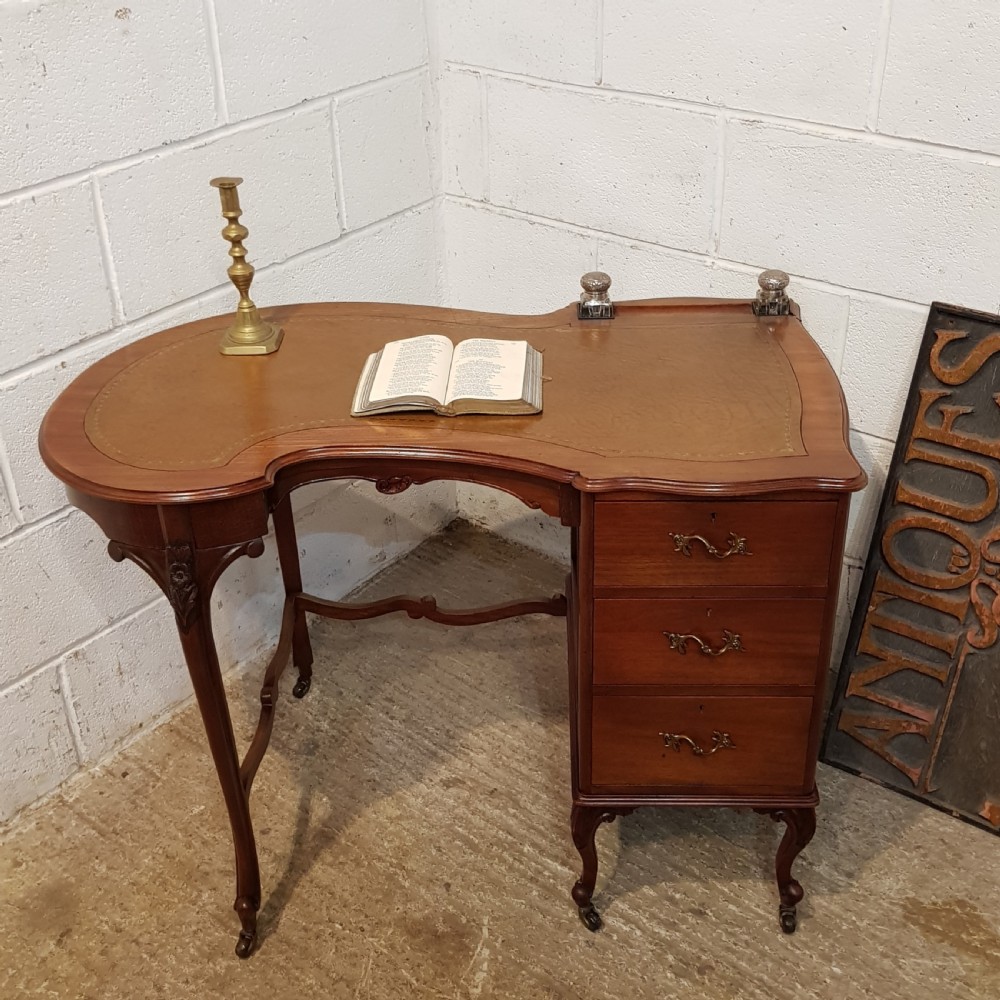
(720, 741)
(730, 640)
(737, 545)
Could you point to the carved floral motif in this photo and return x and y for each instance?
(182, 591)
(394, 484)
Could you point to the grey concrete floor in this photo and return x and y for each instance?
(412, 822)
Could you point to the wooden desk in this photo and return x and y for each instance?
(698, 453)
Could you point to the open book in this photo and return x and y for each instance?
(428, 373)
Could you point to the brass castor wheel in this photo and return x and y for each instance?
(245, 944)
(302, 686)
(591, 918)
(786, 914)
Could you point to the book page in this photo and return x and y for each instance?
(487, 369)
(417, 366)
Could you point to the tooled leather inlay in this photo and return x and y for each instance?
(186, 406)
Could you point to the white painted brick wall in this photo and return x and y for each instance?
(939, 82)
(7, 521)
(608, 163)
(385, 159)
(392, 261)
(367, 535)
(63, 557)
(275, 55)
(881, 349)
(107, 679)
(463, 156)
(874, 454)
(50, 264)
(87, 82)
(808, 60)
(38, 752)
(491, 256)
(554, 40)
(114, 119)
(517, 145)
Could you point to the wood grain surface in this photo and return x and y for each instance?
(670, 394)
(787, 543)
(779, 641)
(768, 752)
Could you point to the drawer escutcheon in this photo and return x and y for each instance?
(730, 641)
(720, 741)
(737, 545)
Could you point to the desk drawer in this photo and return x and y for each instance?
(751, 641)
(755, 542)
(761, 747)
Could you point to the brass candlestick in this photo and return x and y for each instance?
(248, 334)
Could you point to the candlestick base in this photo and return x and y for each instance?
(231, 343)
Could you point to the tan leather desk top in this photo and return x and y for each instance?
(695, 395)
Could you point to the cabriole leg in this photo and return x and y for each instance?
(800, 825)
(188, 576)
(584, 821)
(203, 665)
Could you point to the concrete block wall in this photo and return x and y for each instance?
(684, 149)
(114, 118)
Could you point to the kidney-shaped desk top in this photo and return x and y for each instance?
(695, 396)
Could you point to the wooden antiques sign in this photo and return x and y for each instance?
(917, 705)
